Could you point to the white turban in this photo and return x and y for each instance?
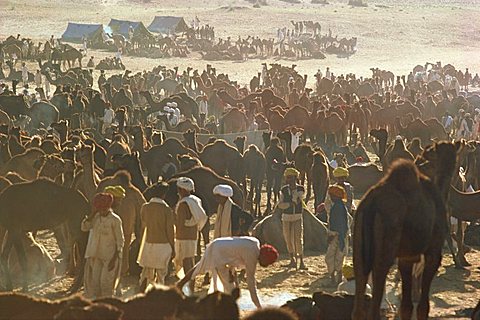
(186, 183)
(170, 104)
(174, 104)
(398, 137)
(223, 190)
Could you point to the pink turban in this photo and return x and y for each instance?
(102, 201)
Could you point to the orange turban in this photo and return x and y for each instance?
(102, 201)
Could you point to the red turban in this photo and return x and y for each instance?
(359, 159)
(102, 201)
(268, 254)
(320, 208)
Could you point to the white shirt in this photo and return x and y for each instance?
(38, 79)
(228, 252)
(203, 107)
(105, 237)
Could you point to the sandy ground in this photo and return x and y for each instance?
(391, 35)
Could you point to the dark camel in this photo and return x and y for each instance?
(404, 216)
(255, 170)
(42, 210)
(320, 177)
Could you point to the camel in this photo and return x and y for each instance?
(303, 158)
(269, 230)
(22, 306)
(131, 163)
(415, 147)
(117, 147)
(409, 209)
(40, 265)
(239, 142)
(397, 151)
(223, 158)
(42, 211)
(320, 177)
(382, 137)
(157, 157)
(273, 154)
(128, 210)
(297, 116)
(88, 179)
(187, 162)
(51, 167)
(5, 119)
(362, 177)
(188, 107)
(233, 121)
(255, 170)
(23, 164)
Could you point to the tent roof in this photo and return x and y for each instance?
(122, 26)
(168, 24)
(76, 31)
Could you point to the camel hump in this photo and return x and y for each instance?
(403, 175)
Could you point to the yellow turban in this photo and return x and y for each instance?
(347, 271)
(289, 172)
(337, 192)
(340, 172)
(116, 191)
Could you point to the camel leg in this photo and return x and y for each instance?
(250, 194)
(460, 245)
(258, 197)
(380, 272)
(269, 194)
(432, 263)
(22, 258)
(406, 307)
(360, 289)
(7, 247)
(309, 185)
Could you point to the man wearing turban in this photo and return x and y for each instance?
(231, 220)
(223, 255)
(190, 219)
(291, 205)
(157, 247)
(337, 234)
(104, 248)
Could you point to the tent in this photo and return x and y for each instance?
(122, 27)
(95, 33)
(168, 24)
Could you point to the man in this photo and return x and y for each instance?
(90, 63)
(328, 74)
(108, 117)
(338, 231)
(104, 248)
(231, 219)
(24, 74)
(291, 205)
(190, 219)
(38, 79)
(158, 238)
(47, 84)
(341, 174)
(223, 255)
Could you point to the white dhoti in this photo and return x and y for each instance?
(99, 281)
(293, 232)
(154, 258)
(334, 256)
(184, 249)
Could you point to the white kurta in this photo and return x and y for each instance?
(225, 254)
(105, 238)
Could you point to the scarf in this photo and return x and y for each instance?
(199, 217)
(223, 224)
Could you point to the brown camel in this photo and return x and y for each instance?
(269, 230)
(188, 162)
(320, 177)
(157, 157)
(42, 211)
(408, 209)
(297, 116)
(51, 167)
(117, 147)
(221, 157)
(128, 209)
(397, 151)
(233, 121)
(131, 164)
(303, 158)
(255, 170)
(87, 180)
(23, 164)
(362, 177)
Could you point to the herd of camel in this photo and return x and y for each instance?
(56, 147)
